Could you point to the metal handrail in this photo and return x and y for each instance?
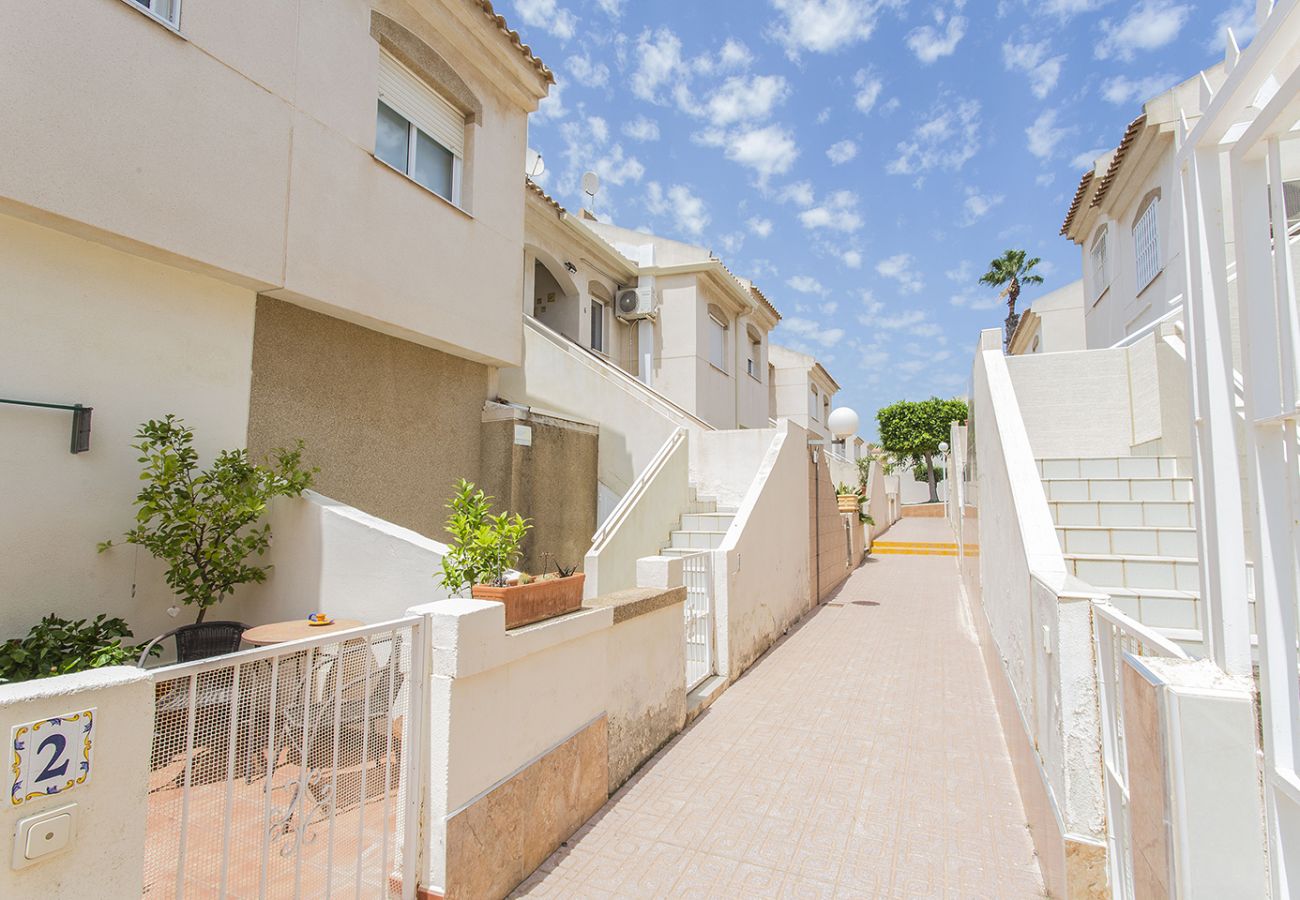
(634, 492)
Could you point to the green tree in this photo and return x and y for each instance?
(1014, 271)
(915, 428)
(482, 545)
(203, 523)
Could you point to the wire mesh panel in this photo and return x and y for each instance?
(1117, 635)
(697, 570)
(284, 772)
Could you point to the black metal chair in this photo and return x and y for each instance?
(199, 641)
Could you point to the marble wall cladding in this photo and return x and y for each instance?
(496, 841)
(1143, 741)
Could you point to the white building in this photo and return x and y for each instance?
(800, 390)
(1053, 324)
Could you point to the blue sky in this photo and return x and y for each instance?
(860, 160)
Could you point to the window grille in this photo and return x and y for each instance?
(1146, 245)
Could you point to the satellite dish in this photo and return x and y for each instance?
(590, 184)
(534, 165)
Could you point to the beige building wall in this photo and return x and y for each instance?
(134, 339)
(796, 376)
(391, 424)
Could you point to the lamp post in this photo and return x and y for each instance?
(943, 455)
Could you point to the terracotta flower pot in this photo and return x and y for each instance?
(535, 601)
(848, 502)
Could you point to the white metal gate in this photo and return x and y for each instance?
(697, 569)
(290, 771)
(1117, 635)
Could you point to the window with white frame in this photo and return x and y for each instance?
(1100, 264)
(754, 362)
(167, 11)
(418, 132)
(1146, 244)
(826, 407)
(597, 326)
(813, 404)
(717, 325)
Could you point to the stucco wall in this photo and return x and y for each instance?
(135, 340)
(106, 855)
(724, 463)
(828, 544)
(391, 424)
(1075, 404)
(551, 480)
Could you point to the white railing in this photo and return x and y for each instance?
(1248, 123)
(1116, 635)
(697, 571)
(1175, 312)
(629, 500)
(291, 770)
(634, 386)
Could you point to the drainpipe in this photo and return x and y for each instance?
(817, 527)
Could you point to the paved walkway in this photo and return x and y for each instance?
(862, 757)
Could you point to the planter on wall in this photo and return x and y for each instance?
(848, 502)
(535, 601)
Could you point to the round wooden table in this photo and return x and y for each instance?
(294, 630)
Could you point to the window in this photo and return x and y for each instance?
(754, 362)
(826, 408)
(813, 403)
(1291, 203)
(717, 338)
(1100, 264)
(417, 132)
(167, 11)
(1146, 244)
(597, 326)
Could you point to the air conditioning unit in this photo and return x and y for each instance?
(635, 303)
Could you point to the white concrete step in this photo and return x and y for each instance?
(1165, 573)
(1121, 514)
(678, 551)
(697, 540)
(707, 521)
(1165, 610)
(1131, 541)
(1114, 467)
(1117, 490)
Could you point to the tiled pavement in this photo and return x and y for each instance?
(862, 757)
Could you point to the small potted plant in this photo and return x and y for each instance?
(483, 549)
(847, 498)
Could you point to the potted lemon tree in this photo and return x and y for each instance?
(482, 552)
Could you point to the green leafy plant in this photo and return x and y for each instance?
(56, 646)
(1014, 271)
(203, 522)
(864, 472)
(915, 428)
(866, 519)
(843, 489)
(565, 571)
(483, 546)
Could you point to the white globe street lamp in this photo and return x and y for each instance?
(843, 423)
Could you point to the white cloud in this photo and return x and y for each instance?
(731, 242)
(852, 259)
(841, 152)
(932, 42)
(813, 331)
(823, 26)
(734, 55)
(800, 193)
(1067, 8)
(1087, 159)
(642, 129)
(612, 8)
(1149, 25)
(869, 88)
(976, 302)
(742, 99)
(828, 308)
(599, 129)
(1034, 60)
(838, 212)
(899, 268)
(1045, 179)
(587, 147)
(978, 204)
(768, 151)
(548, 16)
(806, 284)
(552, 106)
(949, 136)
(1043, 135)
(824, 116)
(659, 61)
(1122, 90)
(1240, 17)
(760, 226)
(687, 211)
(963, 272)
(586, 72)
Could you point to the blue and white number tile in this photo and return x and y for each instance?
(51, 756)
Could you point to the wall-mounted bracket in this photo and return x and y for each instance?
(80, 420)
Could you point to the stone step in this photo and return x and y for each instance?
(1113, 467)
(1130, 541)
(1176, 514)
(707, 521)
(697, 540)
(1165, 610)
(1165, 573)
(1118, 490)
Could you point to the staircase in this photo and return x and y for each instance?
(1126, 528)
(702, 527)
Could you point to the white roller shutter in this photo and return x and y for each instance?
(403, 90)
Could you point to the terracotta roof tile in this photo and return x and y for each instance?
(513, 36)
(767, 304)
(1077, 201)
(551, 201)
(1130, 135)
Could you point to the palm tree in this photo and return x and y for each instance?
(1013, 270)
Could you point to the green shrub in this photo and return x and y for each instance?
(57, 646)
(482, 545)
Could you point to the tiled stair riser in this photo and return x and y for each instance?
(1118, 467)
(1120, 515)
(1141, 541)
(1137, 572)
(1118, 490)
(703, 527)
